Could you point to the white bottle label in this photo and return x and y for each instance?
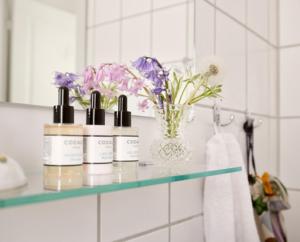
(98, 149)
(126, 148)
(63, 150)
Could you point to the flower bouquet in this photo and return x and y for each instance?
(109, 79)
(173, 95)
(171, 92)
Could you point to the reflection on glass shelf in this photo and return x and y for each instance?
(38, 190)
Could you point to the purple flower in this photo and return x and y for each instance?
(146, 64)
(158, 90)
(65, 79)
(152, 70)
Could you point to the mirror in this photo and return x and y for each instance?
(39, 37)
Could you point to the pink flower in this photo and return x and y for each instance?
(136, 87)
(100, 75)
(116, 73)
(124, 85)
(89, 78)
(107, 92)
(143, 105)
(139, 84)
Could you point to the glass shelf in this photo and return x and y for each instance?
(34, 191)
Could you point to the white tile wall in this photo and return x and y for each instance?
(258, 16)
(127, 212)
(289, 155)
(204, 32)
(135, 45)
(230, 46)
(235, 8)
(68, 220)
(169, 33)
(289, 22)
(274, 22)
(157, 236)
(106, 43)
(186, 199)
(191, 231)
(133, 213)
(165, 3)
(107, 10)
(260, 63)
(132, 7)
(289, 83)
(290, 121)
(292, 217)
(265, 146)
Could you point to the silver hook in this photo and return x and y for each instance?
(217, 117)
(256, 123)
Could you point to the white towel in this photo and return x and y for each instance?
(228, 213)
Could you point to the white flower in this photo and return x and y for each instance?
(214, 66)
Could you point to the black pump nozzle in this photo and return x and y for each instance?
(122, 103)
(63, 113)
(122, 116)
(95, 99)
(95, 115)
(63, 96)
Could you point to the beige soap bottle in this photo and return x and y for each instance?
(63, 147)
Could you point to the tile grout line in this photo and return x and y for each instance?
(187, 29)
(169, 212)
(86, 32)
(165, 226)
(98, 218)
(289, 46)
(215, 30)
(246, 59)
(136, 15)
(194, 33)
(207, 106)
(293, 189)
(242, 25)
(93, 33)
(121, 31)
(289, 117)
(151, 28)
(278, 94)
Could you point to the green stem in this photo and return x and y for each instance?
(186, 85)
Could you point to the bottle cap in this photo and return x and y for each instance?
(63, 113)
(95, 115)
(122, 116)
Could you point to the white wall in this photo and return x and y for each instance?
(289, 48)
(3, 50)
(160, 213)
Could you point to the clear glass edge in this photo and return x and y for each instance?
(99, 189)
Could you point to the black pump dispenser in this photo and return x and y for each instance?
(95, 115)
(122, 116)
(63, 113)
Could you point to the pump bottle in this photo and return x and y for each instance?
(126, 138)
(98, 139)
(63, 147)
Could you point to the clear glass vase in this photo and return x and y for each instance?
(171, 147)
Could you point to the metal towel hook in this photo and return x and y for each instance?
(256, 123)
(217, 117)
